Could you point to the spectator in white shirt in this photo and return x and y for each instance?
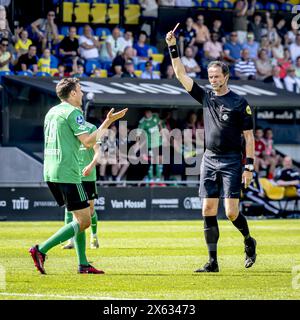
(190, 64)
(149, 73)
(126, 40)
(291, 82)
(183, 3)
(88, 44)
(295, 48)
(113, 46)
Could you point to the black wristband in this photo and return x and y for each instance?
(173, 51)
(249, 161)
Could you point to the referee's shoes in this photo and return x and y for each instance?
(209, 267)
(250, 250)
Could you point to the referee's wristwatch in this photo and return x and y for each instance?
(249, 167)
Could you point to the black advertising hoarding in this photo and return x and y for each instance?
(113, 203)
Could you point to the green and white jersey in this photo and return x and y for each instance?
(63, 123)
(150, 125)
(86, 156)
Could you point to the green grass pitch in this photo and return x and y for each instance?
(154, 260)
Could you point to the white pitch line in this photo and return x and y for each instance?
(39, 295)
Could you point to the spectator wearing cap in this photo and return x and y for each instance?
(190, 64)
(118, 64)
(23, 42)
(232, 49)
(251, 45)
(149, 73)
(291, 82)
(5, 56)
(295, 48)
(113, 46)
(28, 61)
(245, 68)
(46, 30)
(88, 44)
(129, 70)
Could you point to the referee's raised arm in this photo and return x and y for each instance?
(178, 67)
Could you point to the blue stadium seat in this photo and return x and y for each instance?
(208, 4)
(131, 2)
(272, 6)
(5, 73)
(154, 49)
(259, 6)
(90, 65)
(286, 7)
(105, 65)
(43, 74)
(80, 31)
(64, 30)
(102, 32)
(24, 73)
(141, 66)
(224, 4)
(53, 62)
(197, 3)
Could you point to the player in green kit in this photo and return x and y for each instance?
(88, 159)
(65, 130)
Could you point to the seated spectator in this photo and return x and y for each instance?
(275, 79)
(263, 65)
(290, 37)
(289, 176)
(295, 48)
(251, 45)
(277, 49)
(291, 82)
(143, 51)
(61, 71)
(265, 44)
(126, 40)
(190, 64)
(217, 28)
(5, 56)
(118, 64)
(256, 27)
(260, 147)
(28, 61)
(187, 37)
(3, 18)
(44, 61)
(6, 33)
(149, 73)
(271, 32)
(271, 159)
(113, 46)
(284, 63)
(232, 49)
(23, 42)
(281, 28)
(46, 30)
(69, 46)
(129, 70)
(96, 73)
(202, 32)
(245, 68)
(78, 71)
(169, 74)
(297, 67)
(88, 45)
(213, 49)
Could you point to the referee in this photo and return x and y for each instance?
(226, 117)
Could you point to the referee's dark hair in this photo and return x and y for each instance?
(65, 86)
(222, 65)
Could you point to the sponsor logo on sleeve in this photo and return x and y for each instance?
(80, 119)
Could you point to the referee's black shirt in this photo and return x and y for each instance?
(225, 118)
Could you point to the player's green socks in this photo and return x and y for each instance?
(68, 216)
(63, 234)
(211, 233)
(242, 225)
(80, 248)
(159, 171)
(94, 223)
(150, 172)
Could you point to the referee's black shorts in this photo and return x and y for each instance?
(91, 189)
(72, 195)
(220, 175)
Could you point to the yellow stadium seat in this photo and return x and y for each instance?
(272, 192)
(103, 73)
(294, 1)
(82, 11)
(157, 72)
(98, 13)
(67, 11)
(132, 13)
(113, 14)
(60, 37)
(138, 73)
(291, 192)
(53, 71)
(157, 57)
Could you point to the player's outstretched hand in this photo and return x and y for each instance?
(170, 39)
(111, 116)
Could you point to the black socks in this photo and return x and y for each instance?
(242, 225)
(211, 233)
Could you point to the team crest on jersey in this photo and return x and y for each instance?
(80, 119)
(248, 110)
(225, 117)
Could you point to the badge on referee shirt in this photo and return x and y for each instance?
(248, 110)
